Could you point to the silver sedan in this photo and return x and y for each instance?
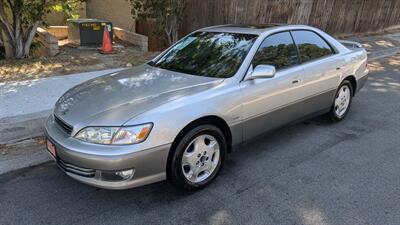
(179, 115)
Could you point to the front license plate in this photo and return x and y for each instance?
(51, 148)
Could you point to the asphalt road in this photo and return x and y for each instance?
(310, 173)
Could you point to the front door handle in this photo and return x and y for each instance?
(295, 81)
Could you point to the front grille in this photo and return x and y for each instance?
(63, 125)
(75, 169)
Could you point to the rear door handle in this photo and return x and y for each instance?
(338, 68)
(295, 81)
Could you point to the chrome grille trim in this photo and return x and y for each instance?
(75, 169)
(63, 125)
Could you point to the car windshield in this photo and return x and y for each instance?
(210, 54)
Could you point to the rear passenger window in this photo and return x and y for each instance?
(277, 50)
(311, 46)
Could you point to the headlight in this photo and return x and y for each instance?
(115, 135)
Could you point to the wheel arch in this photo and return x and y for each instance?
(353, 82)
(210, 120)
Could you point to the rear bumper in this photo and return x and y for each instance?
(90, 163)
(362, 81)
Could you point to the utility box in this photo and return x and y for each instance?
(88, 32)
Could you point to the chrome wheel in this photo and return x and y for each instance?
(200, 158)
(342, 101)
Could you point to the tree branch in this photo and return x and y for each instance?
(29, 37)
(10, 4)
(16, 21)
(5, 25)
(31, 31)
(168, 34)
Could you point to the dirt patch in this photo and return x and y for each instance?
(71, 60)
(12, 148)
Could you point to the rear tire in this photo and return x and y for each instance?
(342, 102)
(198, 157)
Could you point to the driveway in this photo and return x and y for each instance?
(310, 173)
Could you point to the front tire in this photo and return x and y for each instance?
(342, 102)
(198, 157)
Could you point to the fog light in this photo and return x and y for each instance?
(125, 174)
(118, 175)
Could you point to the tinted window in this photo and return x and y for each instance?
(311, 46)
(207, 54)
(277, 50)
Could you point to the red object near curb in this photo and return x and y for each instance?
(107, 45)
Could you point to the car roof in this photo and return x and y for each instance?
(256, 29)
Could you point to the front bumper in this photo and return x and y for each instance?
(90, 163)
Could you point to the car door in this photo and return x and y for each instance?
(322, 70)
(271, 102)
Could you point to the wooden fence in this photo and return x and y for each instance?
(334, 16)
(148, 28)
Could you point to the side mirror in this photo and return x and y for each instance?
(263, 71)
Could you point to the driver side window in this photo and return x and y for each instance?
(277, 50)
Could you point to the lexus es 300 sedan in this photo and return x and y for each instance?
(178, 116)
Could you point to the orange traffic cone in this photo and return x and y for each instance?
(107, 45)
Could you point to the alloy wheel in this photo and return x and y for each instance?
(200, 158)
(342, 101)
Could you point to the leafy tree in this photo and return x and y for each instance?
(168, 14)
(19, 20)
(69, 7)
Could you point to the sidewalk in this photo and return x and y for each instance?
(26, 104)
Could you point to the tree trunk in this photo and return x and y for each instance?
(175, 36)
(168, 34)
(9, 50)
(17, 37)
(171, 29)
(18, 49)
(30, 34)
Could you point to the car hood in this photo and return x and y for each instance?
(113, 99)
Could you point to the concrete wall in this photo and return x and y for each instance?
(48, 44)
(56, 19)
(60, 32)
(138, 40)
(116, 11)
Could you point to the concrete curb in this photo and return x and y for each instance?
(23, 155)
(17, 128)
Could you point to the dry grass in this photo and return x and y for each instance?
(70, 60)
